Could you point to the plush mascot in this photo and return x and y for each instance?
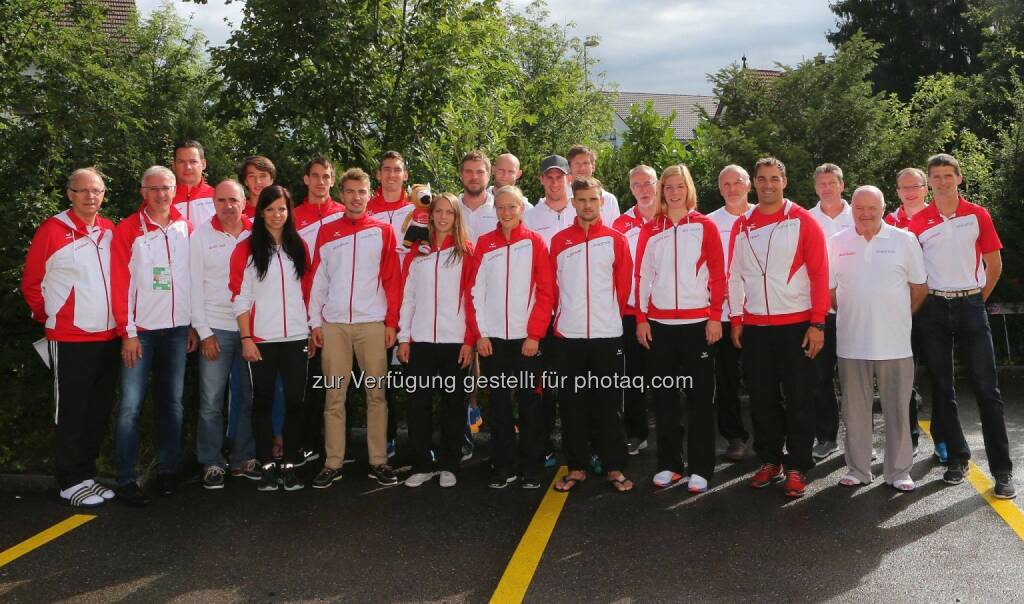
(415, 225)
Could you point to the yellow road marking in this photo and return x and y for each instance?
(40, 539)
(519, 572)
(1010, 513)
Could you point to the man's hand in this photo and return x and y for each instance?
(483, 346)
(403, 352)
(193, 340)
(131, 351)
(814, 341)
(643, 334)
(530, 347)
(210, 348)
(736, 333)
(317, 337)
(390, 335)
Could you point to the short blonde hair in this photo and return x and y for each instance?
(514, 191)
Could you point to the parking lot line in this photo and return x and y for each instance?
(40, 539)
(519, 572)
(1007, 510)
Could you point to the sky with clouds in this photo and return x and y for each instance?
(666, 46)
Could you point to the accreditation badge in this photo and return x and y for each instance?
(161, 279)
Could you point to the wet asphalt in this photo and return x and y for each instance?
(360, 542)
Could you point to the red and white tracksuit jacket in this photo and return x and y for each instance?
(210, 252)
(393, 213)
(311, 217)
(629, 224)
(778, 268)
(195, 203)
(512, 289)
(356, 277)
(434, 296)
(149, 268)
(680, 270)
(593, 272)
(276, 304)
(66, 281)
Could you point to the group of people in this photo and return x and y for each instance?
(567, 304)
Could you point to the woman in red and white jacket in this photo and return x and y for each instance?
(680, 282)
(509, 308)
(66, 285)
(433, 340)
(269, 303)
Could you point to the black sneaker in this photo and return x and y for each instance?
(269, 480)
(166, 484)
(306, 456)
(530, 482)
(500, 480)
(213, 477)
(955, 473)
(326, 478)
(250, 469)
(132, 494)
(383, 474)
(1004, 488)
(290, 478)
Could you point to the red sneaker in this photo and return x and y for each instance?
(766, 475)
(796, 482)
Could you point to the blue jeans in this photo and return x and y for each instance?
(213, 379)
(964, 320)
(163, 350)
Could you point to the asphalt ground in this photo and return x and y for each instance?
(360, 542)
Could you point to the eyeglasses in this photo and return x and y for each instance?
(159, 189)
(89, 191)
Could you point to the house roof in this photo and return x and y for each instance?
(686, 106)
(119, 14)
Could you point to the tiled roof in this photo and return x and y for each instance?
(119, 13)
(686, 106)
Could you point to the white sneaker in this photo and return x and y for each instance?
(697, 484)
(447, 479)
(419, 479)
(667, 478)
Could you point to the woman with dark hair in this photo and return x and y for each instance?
(433, 339)
(269, 303)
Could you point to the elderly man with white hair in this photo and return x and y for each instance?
(877, 281)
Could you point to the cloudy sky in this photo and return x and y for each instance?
(646, 45)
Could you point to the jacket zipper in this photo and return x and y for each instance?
(170, 269)
(352, 285)
(508, 268)
(284, 301)
(586, 249)
(437, 262)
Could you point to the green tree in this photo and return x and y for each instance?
(917, 38)
(649, 139)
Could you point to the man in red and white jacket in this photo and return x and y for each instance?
(213, 318)
(150, 287)
(66, 284)
(317, 210)
(355, 291)
(256, 172)
(778, 297)
(593, 273)
(193, 198)
(642, 184)
(963, 263)
(509, 307)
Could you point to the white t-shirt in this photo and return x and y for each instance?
(609, 206)
(871, 281)
(724, 221)
(482, 220)
(546, 222)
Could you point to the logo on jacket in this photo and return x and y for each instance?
(704, 355)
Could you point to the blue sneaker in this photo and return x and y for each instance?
(941, 453)
(595, 465)
(391, 449)
(550, 460)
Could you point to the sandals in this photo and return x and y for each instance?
(82, 495)
(906, 485)
(850, 481)
(621, 484)
(568, 483)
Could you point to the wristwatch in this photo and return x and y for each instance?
(818, 326)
